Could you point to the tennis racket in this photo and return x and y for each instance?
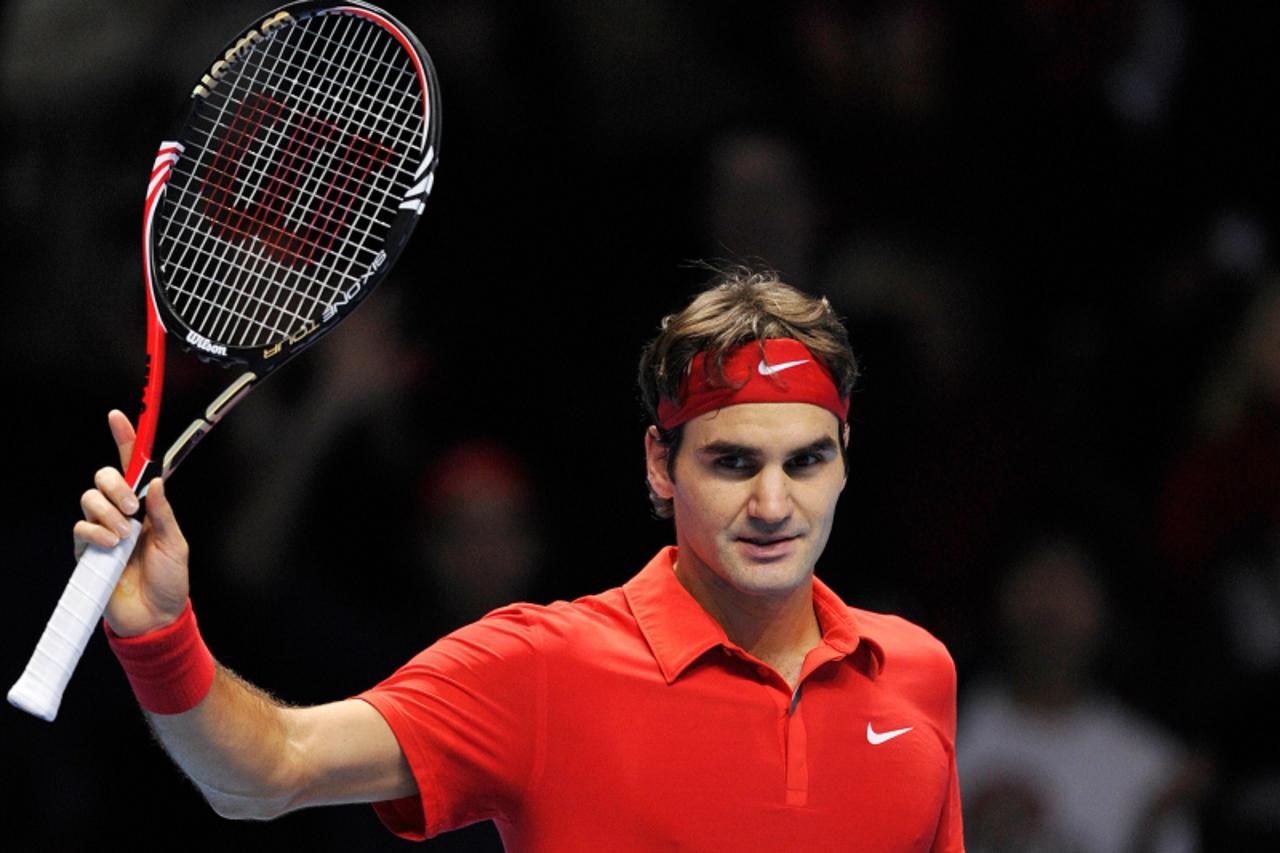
(299, 171)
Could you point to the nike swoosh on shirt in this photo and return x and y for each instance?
(770, 369)
(876, 738)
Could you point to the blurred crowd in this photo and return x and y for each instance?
(1050, 225)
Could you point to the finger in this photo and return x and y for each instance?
(123, 434)
(164, 524)
(88, 533)
(102, 513)
(112, 484)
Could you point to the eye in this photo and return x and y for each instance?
(803, 461)
(734, 463)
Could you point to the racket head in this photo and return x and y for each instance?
(297, 174)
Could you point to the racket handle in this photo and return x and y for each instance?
(39, 690)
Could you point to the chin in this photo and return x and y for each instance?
(767, 577)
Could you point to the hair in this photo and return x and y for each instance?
(738, 305)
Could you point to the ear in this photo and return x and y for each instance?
(656, 456)
(844, 437)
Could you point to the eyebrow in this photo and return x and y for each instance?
(728, 448)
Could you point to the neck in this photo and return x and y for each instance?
(778, 630)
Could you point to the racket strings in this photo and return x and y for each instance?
(264, 305)
(288, 185)
(330, 78)
(289, 290)
(372, 90)
(312, 139)
(402, 116)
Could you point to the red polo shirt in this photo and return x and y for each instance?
(628, 721)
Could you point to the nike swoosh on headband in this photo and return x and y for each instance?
(770, 369)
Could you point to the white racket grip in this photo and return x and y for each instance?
(39, 690)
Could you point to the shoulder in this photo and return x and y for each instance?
(603, 611)
(913, 663)
(905, 644)
(521, 629)
(509, 650)
(899, 648)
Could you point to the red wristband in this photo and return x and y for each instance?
(171, 669)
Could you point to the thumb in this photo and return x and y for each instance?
(164, 525)
(165, 584)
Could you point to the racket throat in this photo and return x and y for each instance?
(140, 474)
(198, 428)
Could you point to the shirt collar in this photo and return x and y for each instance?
(679, 631)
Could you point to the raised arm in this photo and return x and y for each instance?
(251, 756)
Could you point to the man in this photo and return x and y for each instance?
(723, 699)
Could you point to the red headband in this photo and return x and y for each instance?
(787, 373)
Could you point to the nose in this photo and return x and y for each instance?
(770, 502)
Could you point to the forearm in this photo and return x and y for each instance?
(255, 758)
(237, 747)
(251, 756)
(232, 739)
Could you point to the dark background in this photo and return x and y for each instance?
(1046, 222)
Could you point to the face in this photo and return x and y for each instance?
(755, 488)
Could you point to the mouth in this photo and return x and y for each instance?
(767, 547)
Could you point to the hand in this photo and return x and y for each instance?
(152, 592)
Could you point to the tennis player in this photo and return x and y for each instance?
(722, 699)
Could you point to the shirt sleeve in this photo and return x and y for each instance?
(465, 714)
(950, 834)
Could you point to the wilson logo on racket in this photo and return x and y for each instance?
(219, 68)
(288, 179)
(202, 343)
